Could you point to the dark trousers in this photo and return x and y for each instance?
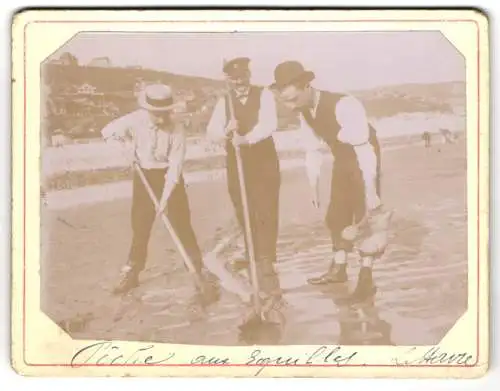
(347, 198)
(143, 216)
(262, 180)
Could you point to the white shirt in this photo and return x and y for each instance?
(153, 148)
(266, 124)
(351, 116)
(354, 130)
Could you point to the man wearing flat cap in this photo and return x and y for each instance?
(355, 211)
(246, 117)
(159, 147)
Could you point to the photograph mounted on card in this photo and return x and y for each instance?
(299, 193)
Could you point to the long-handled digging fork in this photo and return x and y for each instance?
(166, 222)
(246, 219)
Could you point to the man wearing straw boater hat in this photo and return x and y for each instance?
(355, 217)
(159, 147)
(244, 120)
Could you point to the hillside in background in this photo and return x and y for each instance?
(82, 99)
(409, 98)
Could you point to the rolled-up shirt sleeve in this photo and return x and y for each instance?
(120, 134)
(216, 125)
(353, 121)
(355, 130)
(268, 119)
(120, 129)
(177, 155)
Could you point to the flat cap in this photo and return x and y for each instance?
(236, 65)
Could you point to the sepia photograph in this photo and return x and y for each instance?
(254, 188)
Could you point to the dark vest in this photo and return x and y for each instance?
(327, 128)
(247, 114)
(259, 157)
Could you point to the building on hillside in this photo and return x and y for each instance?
(101, 62)
(86, 89)
(65, 58)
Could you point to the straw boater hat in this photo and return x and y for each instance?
(289, 72)
(158, 97)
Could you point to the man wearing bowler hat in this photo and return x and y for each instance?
(159, 147)
(355, 211)
(246, 117)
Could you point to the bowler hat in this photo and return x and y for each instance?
(289, 72)
(236, 66)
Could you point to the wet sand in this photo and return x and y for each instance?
(422, 278)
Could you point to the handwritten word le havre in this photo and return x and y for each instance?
(110, 353)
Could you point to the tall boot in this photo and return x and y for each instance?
(270, 286)
(365, 289)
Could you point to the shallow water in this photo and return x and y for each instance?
(422, 278)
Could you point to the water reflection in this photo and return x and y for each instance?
(255, 330)
(359, 324)
(362, 325)
(306, 315)
(259, 332)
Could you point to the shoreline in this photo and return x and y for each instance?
(119, 190)
(97, 155)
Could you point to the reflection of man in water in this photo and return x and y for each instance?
(363, 326)
(159, 146)
(246, 117)
(340, 122)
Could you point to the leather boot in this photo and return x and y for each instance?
(336, 274)
(208, 291)
(129, 280)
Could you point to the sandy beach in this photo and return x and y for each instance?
(422, 278)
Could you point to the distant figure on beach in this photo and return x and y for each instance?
(426, 136)
(448, 137)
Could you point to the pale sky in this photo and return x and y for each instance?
(341, 60)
